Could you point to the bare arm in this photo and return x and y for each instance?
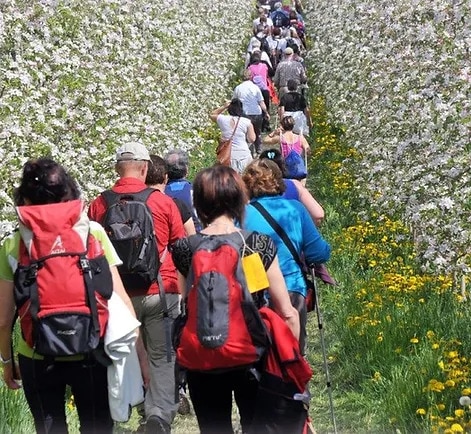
(272, 138)
(313, 207)
(7, 313)
(181, 284)
(280, 297)
(189, 227)
(216, 112)
(250, 136)
(305, 145)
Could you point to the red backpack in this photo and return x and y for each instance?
(223, 327)
(62, 282)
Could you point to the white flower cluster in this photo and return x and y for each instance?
(77, 78)
(397, 75)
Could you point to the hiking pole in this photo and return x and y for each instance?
(324, 352)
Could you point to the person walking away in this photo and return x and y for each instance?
(288, 69)
(220, 199)
(178, 186)
(260, 74)
(48, 203)
(156, 303)
(294, 104)
(241, 129)
(265, 185)
(253, 106)
(294, 189)
(290, 144)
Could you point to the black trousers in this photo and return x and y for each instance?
(45, 383)
(211, 395)
(257, 121)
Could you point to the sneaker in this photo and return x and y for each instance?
(184, 407)
(156, 425)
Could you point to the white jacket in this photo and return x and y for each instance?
(125, 386)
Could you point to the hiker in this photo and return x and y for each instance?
(241, 129)
(264, 20)
(260, 73)
(253, 107)
(292, 146)
(256, 46)
(288, 69)
(178, 186)
(279, 16)
(265, 185)
(48, 200)
(220, 199)
(156, 304)
(294, 189)
(294, 104)
(157, 177)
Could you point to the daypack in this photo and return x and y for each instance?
(295, 167)
(280, 19)
(62, 282)
(223, 328)
(130, 227)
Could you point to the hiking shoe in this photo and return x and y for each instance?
(184, 407)
(156, 425)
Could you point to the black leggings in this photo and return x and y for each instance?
(211, 395)
(45, 383)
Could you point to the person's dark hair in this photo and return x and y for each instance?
(255, 57)
(292, 84)
(177, 162)
(217, 191)
(156, 171)
(275, 156)
(235, 108)
(43, 182)
(263, 177)
(287, 123)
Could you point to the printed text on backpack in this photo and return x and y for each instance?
(223, 328)
(62, 282)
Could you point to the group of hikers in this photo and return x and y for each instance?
(162, 284)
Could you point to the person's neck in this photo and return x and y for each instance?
(220, 225)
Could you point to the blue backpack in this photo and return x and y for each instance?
(295, 167)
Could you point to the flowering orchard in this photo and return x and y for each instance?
(398, 76)
(77, 78)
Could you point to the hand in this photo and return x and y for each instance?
(267, 116)
(9, 378)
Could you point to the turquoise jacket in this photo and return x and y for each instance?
(301, 230)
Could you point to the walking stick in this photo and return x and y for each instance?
(324, 352)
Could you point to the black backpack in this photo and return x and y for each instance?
(130, 227)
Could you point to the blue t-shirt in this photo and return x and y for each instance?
(293, 217)
(182, 189)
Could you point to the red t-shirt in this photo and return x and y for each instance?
(167, 224)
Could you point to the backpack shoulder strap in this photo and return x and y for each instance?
(111, 197)
(279, 230)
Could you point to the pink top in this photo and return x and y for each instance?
(260, 69)
(286, 147)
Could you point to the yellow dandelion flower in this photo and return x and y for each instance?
(421, 411)
(441, 407)
(456, 427)
(414, 341)
(459, 413)
(466, 391)
(450, 383)
(452, 354)
(435, 346)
